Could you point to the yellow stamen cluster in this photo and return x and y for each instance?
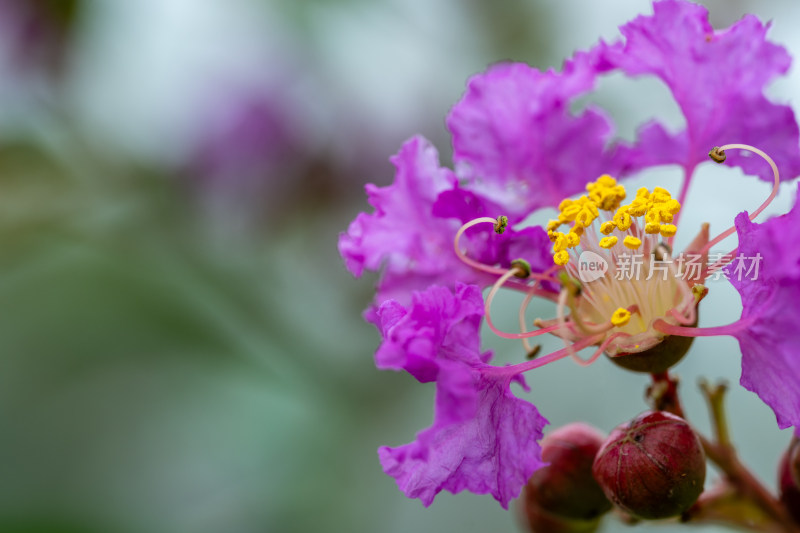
(657, 207)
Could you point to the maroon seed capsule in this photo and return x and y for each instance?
(652, 467)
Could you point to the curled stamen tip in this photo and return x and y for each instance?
(500, 225)
(717, 154)
(534, 352)
(699, 291)
(522, 267)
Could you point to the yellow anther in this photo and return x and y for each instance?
(561, 258)
(571, 211)
(642, 192)
(637, 208)
(660, 195)
(552, 225)
(584, 218)
(607, 227)
(608, 242)
(622, 220)
(651, 228)
(632, 242)
(668, 230)
(673, 206)
(620, 317)
(577, 230)
(573, 239)
(559, 242)
(652, 217)
(666, 216)
(566, 202)
(606, 181)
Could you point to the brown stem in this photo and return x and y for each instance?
(746, 483)
(723, 454)
(663, 394)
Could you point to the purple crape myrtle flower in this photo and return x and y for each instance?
(518, 147)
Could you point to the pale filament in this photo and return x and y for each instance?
(563, 298)
(776, 183)
(688, 300)
(488, 305)
(523, 328)
(682, 331)
(599, 351)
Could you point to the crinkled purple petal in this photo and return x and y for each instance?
(718, 80)
(437, 326)
(495, 451)
(410, 235)
(517, 142)
(771, 342)
(483, 439)
(392, 234)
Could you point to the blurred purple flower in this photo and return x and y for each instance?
(35, 33)
(250, 161)
(246, 139)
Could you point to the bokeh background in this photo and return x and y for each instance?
(181, 348)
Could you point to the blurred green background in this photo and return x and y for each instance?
(181, 349)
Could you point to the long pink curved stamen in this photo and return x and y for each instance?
(754, 214)
(600, 350)
(513, 370)
(682, 331)
(471, 262)
(477, 264)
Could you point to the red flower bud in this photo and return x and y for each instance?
(787, 479)
(653, 467)
(566, 487)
